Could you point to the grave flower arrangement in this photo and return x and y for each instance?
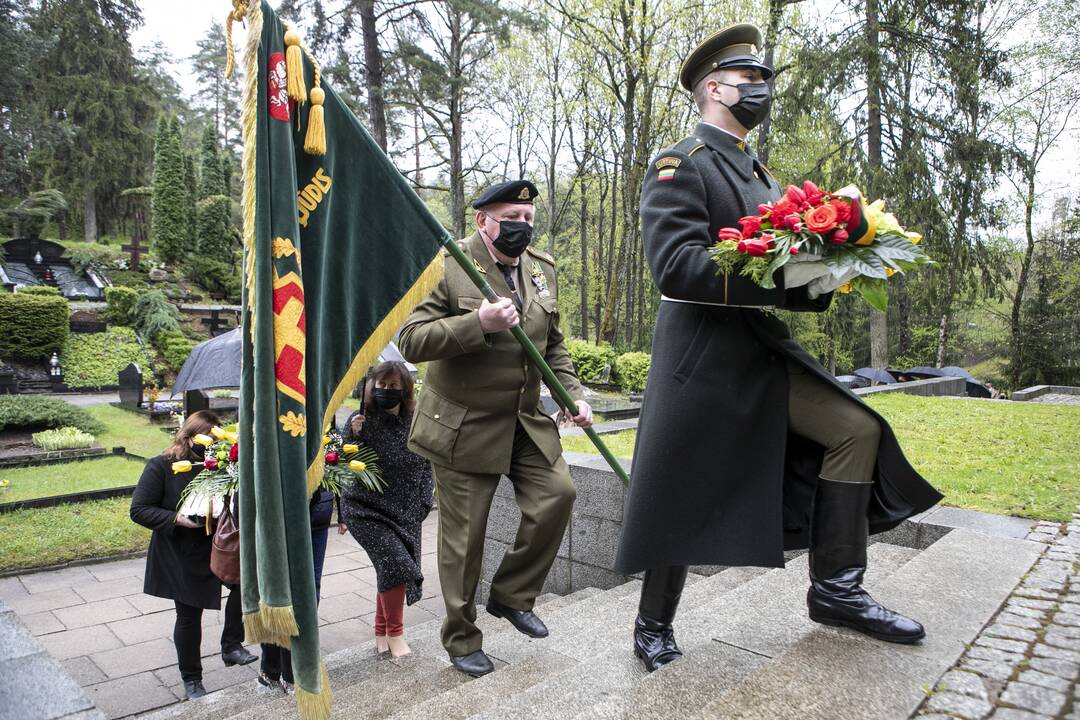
(827, 241)
(346, 463)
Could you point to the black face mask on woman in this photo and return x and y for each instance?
(755, 100)
(386, 398)
(514, 237)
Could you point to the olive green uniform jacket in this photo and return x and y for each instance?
(479, 386)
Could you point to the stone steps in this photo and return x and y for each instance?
(750, 651)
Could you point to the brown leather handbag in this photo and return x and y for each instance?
(225, 547)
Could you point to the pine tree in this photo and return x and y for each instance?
(169, 219)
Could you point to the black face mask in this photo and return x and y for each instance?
(387, 399)
(755, 99)
(514, 237)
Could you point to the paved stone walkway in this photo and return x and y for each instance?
(1057, 399)
(1025, 665)
(117, 644)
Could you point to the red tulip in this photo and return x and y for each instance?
(839, 236)
(795, 195)
(331, 458)
(764, 208)
(794, 250)
(730, 234)
(750, 225)
(813, 193)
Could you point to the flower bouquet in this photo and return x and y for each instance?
(827, 241)
(347, 463)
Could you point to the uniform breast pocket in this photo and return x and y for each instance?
(468, 304)
(438, 422)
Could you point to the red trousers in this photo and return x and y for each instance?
(390, 612)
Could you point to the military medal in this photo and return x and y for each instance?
(539, 280)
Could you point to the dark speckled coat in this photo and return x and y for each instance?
(389, 525)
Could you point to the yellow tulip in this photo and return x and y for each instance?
(357, 465)
(350, 448)
(204, 440)
(325, 440)
(219, 433)
(181, 466)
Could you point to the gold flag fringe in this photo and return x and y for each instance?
(312, 706)
(249, 124)
(270, 624)
(370, 350)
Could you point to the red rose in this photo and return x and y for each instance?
(331, 458)
(730, 234)
(210, 463)
(794, 250)
(840, 236)
(813, 193)
(750, 225)
(843, 211)
(783, 208)
(821, 219)
(233, 452)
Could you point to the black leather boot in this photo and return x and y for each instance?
(838, 535)
(654, 638)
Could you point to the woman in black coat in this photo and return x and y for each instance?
(178, 561)
(388, 525)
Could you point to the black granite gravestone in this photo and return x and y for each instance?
(130, 380)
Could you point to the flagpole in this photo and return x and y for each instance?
(557, 390)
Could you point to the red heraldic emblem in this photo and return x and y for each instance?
(277, 96)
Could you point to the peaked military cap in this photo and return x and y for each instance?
(512, 191)
(736, 46)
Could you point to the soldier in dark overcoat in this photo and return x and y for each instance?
(746, 445)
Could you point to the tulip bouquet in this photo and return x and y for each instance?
(205, 495)
(348, 463)
(828, 241)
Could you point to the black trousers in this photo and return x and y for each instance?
(187, 634)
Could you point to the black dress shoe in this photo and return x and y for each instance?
(841, 602)
(474, 664)
(654, 643)
(194, 689)
(525, 621)
(238, 656)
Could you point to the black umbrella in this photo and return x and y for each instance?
(925, 372)
(954, 371)
(876, 375)
(215, 363)
(853, 381)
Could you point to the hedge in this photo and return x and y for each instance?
(32, 327)
(589, 359)
(39, 290)
(176, 348)
(632, 370)
(93, 360)
(120, 300)
(26, 412)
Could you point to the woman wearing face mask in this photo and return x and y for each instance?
(388, 524)
(178, 561)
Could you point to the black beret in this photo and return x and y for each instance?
(733, 47)
(511, 191)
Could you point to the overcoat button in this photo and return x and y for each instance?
(436, 416)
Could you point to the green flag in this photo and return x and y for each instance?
(337, 250)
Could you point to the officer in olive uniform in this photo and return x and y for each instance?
(479, 417)
(746, 445)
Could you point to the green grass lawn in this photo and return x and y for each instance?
(1006, 458)
(130, 430)
(47, 536)
(63, 478)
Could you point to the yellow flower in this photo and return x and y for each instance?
(357, 465)
(914, 237)
(181, 466)
(293, 424)
(4, 483)
(889, 272)
(350, 448)
(325, 440)
(219, 433)
(845, 288)
(204, 440)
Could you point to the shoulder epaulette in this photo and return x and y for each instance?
(536, 252)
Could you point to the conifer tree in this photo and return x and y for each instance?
(170, 196)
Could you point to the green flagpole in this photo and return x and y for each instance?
(557, 390)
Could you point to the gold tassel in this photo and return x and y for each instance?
(315, 139)
(315, 706)
(240, 9)
(294, 66)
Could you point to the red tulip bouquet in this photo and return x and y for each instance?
(349, 463)
(827, 241)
